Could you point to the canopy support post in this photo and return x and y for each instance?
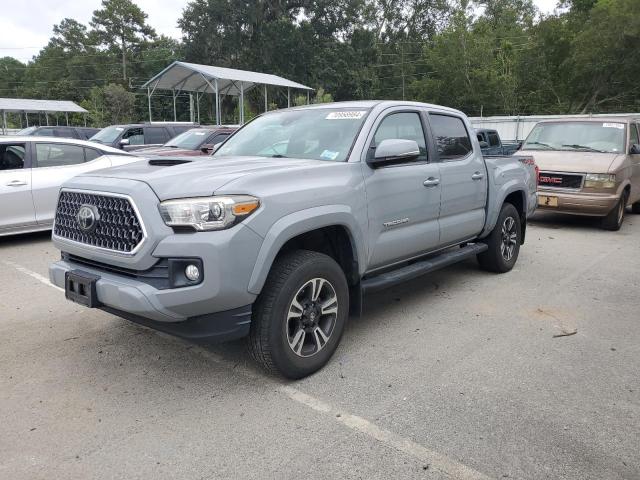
(4, 122)
(198, 105)
(288, 97)
(46, 116)
(308, 97)
(175, 117)
(66, 116)
(217, 104)
(149, 101)
(191, 113)
(85, 119)
(266, 102)
(241, 109)
(26, 116)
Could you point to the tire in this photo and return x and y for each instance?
(507, 233)
(635, 208)
(613, 220)
(286, 307)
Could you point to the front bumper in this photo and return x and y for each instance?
(590, 204)
(219, 306)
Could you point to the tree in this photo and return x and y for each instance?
(119, 25)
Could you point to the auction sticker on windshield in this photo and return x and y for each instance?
(614, 125)
(354, 115)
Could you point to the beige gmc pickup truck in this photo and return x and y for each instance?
(588, 166)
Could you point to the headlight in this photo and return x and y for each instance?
(599, 180)
(208, 213)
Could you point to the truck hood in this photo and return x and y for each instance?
(193, 177)
(572, 161)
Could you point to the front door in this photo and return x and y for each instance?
(403, 200)
(463, 179)
(16, 204)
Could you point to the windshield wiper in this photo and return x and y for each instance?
(583, 147)
(542, 144)
(278, 156)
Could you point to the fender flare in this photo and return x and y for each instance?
(300, 222)
(507, 189)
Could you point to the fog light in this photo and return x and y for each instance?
(192, 272)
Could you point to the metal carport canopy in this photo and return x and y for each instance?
(202, 79)
(189, 77)
(30, 105)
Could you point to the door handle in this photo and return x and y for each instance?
(16, 183)
(477, 176)
(431, 182)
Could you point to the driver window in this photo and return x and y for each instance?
(403, 126)
(633, 134)
(12, 156)
(135, 136)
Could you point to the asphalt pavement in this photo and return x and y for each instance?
(534, 374)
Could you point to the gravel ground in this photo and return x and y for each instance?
(460, 374)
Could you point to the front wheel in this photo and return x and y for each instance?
(613, 220)
(299, 316)
(503, 242)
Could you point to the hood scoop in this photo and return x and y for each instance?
(167, 162)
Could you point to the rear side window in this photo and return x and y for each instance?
(155, 135)
(91, 154)
(65, 132)
(58, 155)
(494, 140)
(452, 138)
(404, 126)
(12, 156)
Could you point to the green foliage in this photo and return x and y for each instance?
(482, 56)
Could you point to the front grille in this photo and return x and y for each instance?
(117, 228)
(560, 180)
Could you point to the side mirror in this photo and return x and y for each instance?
(207, 148)
(635, 149)
(124, 142)
(394, 150)
(484, 145)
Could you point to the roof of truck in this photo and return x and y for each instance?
(375, 103)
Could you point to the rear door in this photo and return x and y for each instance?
(403, 209)
(55, 163)
(463, 179)
(16, 204)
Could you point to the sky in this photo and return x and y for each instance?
(27, 25)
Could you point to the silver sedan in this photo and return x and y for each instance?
(32, 170)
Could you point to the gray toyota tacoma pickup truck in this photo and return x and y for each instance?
(294, 218)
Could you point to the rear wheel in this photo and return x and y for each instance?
(299, 316)
(613, 220)
(503, 242)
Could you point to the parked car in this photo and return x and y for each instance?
(81, 133)
(491, 143)
(588, 167)
(140, 135)
(197, 141)
(32, 169)
(303, 211)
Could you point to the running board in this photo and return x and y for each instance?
(421, 267)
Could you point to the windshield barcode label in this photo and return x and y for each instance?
(345, 115)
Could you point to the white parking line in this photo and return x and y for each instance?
(32, 274)
(435, 461)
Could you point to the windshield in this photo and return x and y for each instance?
(315, 134)
(107, 135)
(189, 140)
(27, 131)
(581, 136)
